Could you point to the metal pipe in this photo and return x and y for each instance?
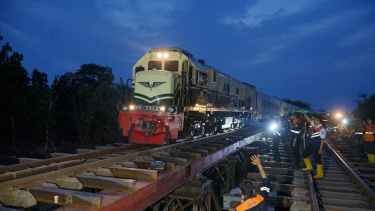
(127, 87)
(121, 85)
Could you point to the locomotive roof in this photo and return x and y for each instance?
(202, 66)
(176, 49)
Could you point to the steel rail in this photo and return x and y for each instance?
(355, 175)
(313, 201)
(23, 166)
(7, 185)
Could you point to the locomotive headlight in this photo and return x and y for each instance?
(159, 55)
(124, 108)
(162, 108)
(166, 55)
(171, 109)
(131, 107)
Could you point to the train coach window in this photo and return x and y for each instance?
(154, 65)
(214, 76)
(171, 66)
(237, 91)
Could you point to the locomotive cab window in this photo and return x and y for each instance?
(154, 65)
(171, 66)
(214, 76)
(202, 78)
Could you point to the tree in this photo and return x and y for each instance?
(14, 83)
(365, 107)
(298, 103)
(87, 105)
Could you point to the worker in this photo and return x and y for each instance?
(358, 139)
(259, 202)
(276, 138)
(295, 130)
(315, 146)
(368, 139)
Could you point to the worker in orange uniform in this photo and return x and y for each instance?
(358, 139)
(315, 146)
(259, 202)
(296, 128)
(368, 139)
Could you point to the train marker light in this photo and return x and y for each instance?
(159, 55)
(166, 55)
(171, 109)
(131, 107)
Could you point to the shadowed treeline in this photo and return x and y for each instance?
(78, 109)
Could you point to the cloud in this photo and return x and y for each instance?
(132, 14)
(277, 42)
(17, 33)
(262, 11)
(364, 35)
(354, 63)
(267, 56)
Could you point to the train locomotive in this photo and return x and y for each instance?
(174, 96)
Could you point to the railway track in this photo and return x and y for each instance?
(343, 187)
(345, 147)
(118, 178)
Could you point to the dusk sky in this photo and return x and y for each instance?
(319, 51)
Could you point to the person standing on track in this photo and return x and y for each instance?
(358, 139)
(368, 131)
(315, 146)
(259, 202)
(295, 130)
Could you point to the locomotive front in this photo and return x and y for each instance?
(151, 115)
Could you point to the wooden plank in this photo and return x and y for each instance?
(209, 148)
(170, 167)
(272, 177)
(195, 156)
(57, 155)
(81, 151)
(128, 164)
(202, 151)
(142, 164)
(27, 160)
(179, 161)
(134, 173)
(117, 184)
(67, 197)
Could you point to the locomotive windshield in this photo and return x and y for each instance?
(171, 66)
(154, 65)
(168, 65)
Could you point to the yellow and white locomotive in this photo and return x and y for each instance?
(175, 96)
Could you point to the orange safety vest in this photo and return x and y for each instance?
(368, 130)
(250, 203)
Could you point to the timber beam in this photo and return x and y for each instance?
(77, 199)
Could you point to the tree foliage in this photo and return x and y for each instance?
(78, 108)
(365, 107)
(298, 103)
